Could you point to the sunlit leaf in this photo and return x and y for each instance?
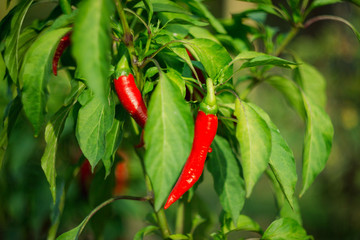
(35, 73)
(92, 43)
(284, 229)
(168, 137)
(254, 137)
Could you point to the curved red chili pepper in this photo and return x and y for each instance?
(205, 131)
(63, 44)
(130, 97)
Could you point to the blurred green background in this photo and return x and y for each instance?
(330, 209)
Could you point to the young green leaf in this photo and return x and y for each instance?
(11, 56)
(35, 73)
(94, 121)
(312, 83)
(168, 135)
(162, 6)
(290, 91)
(91, 44)
(213, 56)
(319, 3)
(317, 143)
(282, 162)
(227, 180)
(254, 137)
(285, 229)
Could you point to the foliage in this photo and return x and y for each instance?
(172, 47)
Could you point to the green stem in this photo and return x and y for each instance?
(107, 202)
(180, 216)
(287, 40)
(138, 12)
(65, 6)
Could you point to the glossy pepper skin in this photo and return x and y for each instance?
(130, 97)
(63, 44)
(205, 131)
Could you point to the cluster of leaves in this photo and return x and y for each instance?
(157, 35)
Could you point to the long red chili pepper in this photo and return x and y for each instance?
(130, 97)
(205, 130)
(63, 44)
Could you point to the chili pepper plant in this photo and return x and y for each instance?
(166, 86)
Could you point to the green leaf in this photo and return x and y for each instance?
(317, 143)
(34, 74)
(11, 56)
(286, 211)
(166, 17)
(145, 232)
(285, 229)
(10, 116)
(290, 91)
(52, 134)
(74, 233)
(200, 10)
(113, 138)
(258, 1)
(163, 6)
(92, 43)
(254, 137)
(179, 237)
(282, 162)
(227, 180)
(213, 57)
(244, 223)
(95, 119)
(168, 137)
(176, 77)
(253, 59)
(2, 67)
(53, 131)
(319, 3)
(149, 9)
(312, 83)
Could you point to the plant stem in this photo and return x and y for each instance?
(179, 225)
(287, 40)
(107, 202)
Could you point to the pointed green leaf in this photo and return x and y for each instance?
(91, 44)
(145, 232)
(319, 3)
(52, 134)
(286, 211)
(94, 121)
(290, 91)
(227, 180)
(254, 137)
(11, 56)
(113, 138)
(244, 223)
(253, 59)
(53, 131)
(35, 73)
(312, 83)
(285, 229)
(282, 162)
(162, 6)
(168, 137)
(317, 143)
(213, 57)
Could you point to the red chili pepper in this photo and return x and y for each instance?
(130, 97)
(63, 44)
(205, 130)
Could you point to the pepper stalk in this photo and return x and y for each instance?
(208, 104)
